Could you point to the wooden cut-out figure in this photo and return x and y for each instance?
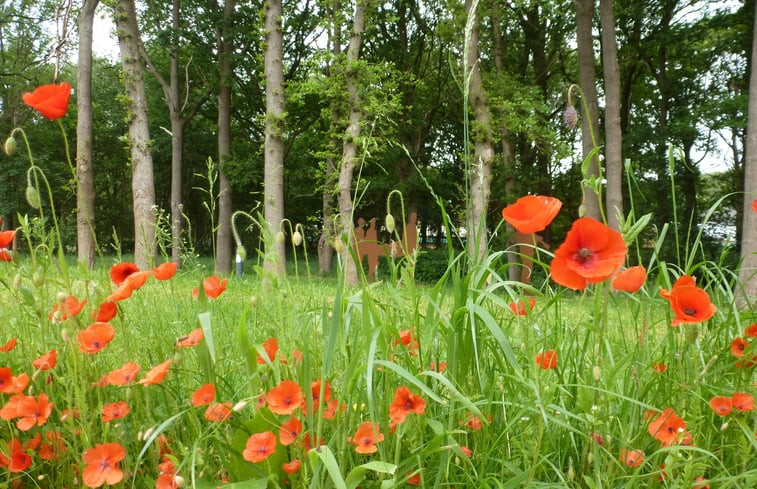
(368, 244)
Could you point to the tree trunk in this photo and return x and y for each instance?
(349, 146)
(142, 183)
(274, 136)
(85, 195)
(177, 141)
(225, 204)
(483, 149)
(748, 270)
(613, 135)
(587, 81)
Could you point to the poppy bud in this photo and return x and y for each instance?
(339, 245)
(389, 223)
(61, 297)
(32, 197)
(241, 252)
(582, 210)
(239, 407)
(148, 433)
(10, 146)
(179, 480)
(280, 237)
(597, 373)
(570, 116)
(297, 238)
(254, 301)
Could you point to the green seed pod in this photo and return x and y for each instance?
(32, 197)
(241, 252)
(389, 223)
(10, 146)
(297, 238)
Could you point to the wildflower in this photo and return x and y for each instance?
(591, 253)
(95, 337)
(474, 422)
(519, 308)
(547, 359)
(690, 304)
(743, 401)
(46, 361)
(124, 375)
(414, 480)
(754, 205)
(666, 427)
(105, 312)
(632, 458)
(31, 411)
(192, 339)
(8, 346)
(291, 467)
(285, 398)
(115, 410)
(217, 412)
(366, 437)
(721, 405)
(407, 339)
(123, 292)
(405, 402)
(630, 279)
(204, 395)
(738, 346)
(259, 446)
(212, 286)
(315, 391)
(466, 451)
(165, 271)
(10, 384)
(289, 431)
(120, 272)
(331, 408)
(102, 465)
(532, 213)
(270, 346)
(156, 374)
(49, 100)
(69, 308)
(53, 447)
(700, 483)
(18, 460)
(6, 238)
(659, 367)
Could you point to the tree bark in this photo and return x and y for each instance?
(85, 195)
(613, 135)
(349, 147)
(143, 188)
(225, 203)
(587, 81)
(748, 270)
(483, 149)
(177, 141)
(274, 137)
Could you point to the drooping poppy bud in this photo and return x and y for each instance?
(241, 252)
(32, 197)
(10, 146)
(389, 223)
(280, 238)
(570, 116)
(297, 238)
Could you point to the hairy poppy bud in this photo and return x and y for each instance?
(389, 223)
(241, 252)
(61, 297)
(297, 238)
(10, 146)
(32, 197)
(280, 238)
(338, 245)
(570, 117)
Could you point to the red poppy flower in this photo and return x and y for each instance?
(119, 272)
(10, 384)
(95, 337)
(531, 213)
(192, 339)
(156, 374)
(124, 375)
(105, 312)
(168, 480)
(17, 459)
(46, 361)
(289, 431)
(473, 422)
(738, 346)
(520, 308)
(667, 427)
(31, 411)
(751, 330)
(271, 346)
(213, 287)
(722, 405)
(331, 408)
(315, 391)
(165, 271)
(123, 292)
(115, 410)
(259, 446)
(690, 304)
(5, 255)
(6, 238)
(754, 205)
(659, 367)
(291, 467)
(682, 280)
(49, 100)
(67, 309)
(591, 253)
(414, 480)
(285, 398)
(405, 402)
(630, 279)
(366, 437)
(102, 465)
(136, 280)
(632, 458)
(547, 359)
(700, 483)
(204, 395)
(8, 346)
(53, 447)
(742, 401)
(217, 412)
(407, 339)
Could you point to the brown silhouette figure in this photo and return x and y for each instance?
(526, 249)
(368, 244)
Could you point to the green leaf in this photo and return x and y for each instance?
(207, 330)
(323, 453)
(357, 474)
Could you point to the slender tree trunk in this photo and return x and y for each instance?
(177, 141)
(349, 146)
(225, 204)
(613, 135)
(85, 195)
(483, 149)
(274, 135)
(748, 270)
(142, 183)
(587, 81)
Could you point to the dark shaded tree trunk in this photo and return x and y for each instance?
(613, 135)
